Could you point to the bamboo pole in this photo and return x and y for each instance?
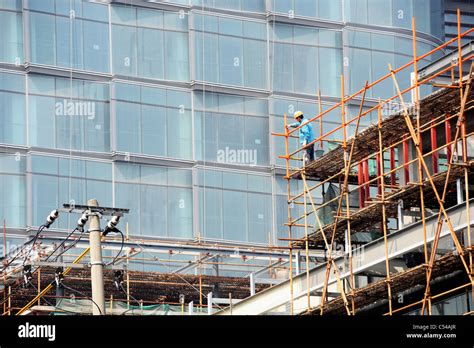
(420, 169)
(306, 249)
(384, 214)
(288, 178)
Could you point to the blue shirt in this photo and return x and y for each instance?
(305, 132)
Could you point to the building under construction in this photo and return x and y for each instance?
(378, 223)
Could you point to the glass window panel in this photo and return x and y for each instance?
(41, 5)
(176, 21)
(12, 82)
(330, 63)
(330, 9)
(153, 175)
(229, 26)
(69, 53)
(99, 170)
(380, 12)
(380, 63)
(207, 57)
(153, 210)
(127, 92)
(128, 173)
(153, 129)
(356, 11)
(283, 6)
(128, 196)
(359, 39)
(234, 212)
(306, 69)
(42, 36)
(180, 218)
(358, 77)
(253, 5)
(422, 12)
(179, 131)
(383, 42)
(330, 38)
(307, 8)
(179, 177)
(44, 165)
(402, 13)
(231, 104)
(155, 96)
(305, 35)
(255, 30)
(256, 140)
(96, 12)
(234, 181)
(124, 50)
(124, 15)
(41, 121)
(147, 18)
(128, 127)
(283, 67)
(260, 183)
(11, 4)
(230, 60)
(45, 197)
(177, 57)
(210, 213)
(97, 129)
(12, 118)
(151, 58)
(13, 200)
(283, 33)
(11, 37)
(96, 46)
(259, 217)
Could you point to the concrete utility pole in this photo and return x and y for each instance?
(97, 273)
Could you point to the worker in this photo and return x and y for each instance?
(305, 134)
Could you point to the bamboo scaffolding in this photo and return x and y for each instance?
(338, 166)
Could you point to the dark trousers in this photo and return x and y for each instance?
(309, 155)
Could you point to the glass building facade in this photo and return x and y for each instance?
(166, 107)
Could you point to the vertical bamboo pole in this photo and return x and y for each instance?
(464, 147)
(111, 305)
(39, 285)
(420, 169)
(5, 268)
(128, 275)
(306, 243)
(321, 130)
(9, 300)
(384, 212)
(288, 178)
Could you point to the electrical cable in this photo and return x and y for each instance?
(49, 303)
(61, 244)
(83, 295)
(40, 229)
(121, 248)
(133, 298)
(70, 246)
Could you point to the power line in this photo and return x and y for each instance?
(49, 303)
(40, 229)
(121, 248)
(83, 295)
